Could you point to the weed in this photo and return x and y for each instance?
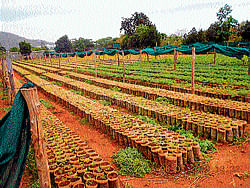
(132, 162)
(47, 104)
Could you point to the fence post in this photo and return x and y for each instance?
(175, 58)
(141, 60)
(123, 67)
(31, 97)
(193, 69)
(214, 56)
(95, 65)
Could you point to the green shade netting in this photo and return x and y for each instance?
(15, 139)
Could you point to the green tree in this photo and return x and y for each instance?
(191, 37)
(14, 49)
(25, 48)
(63, 44)
(82, 44)
(144, 37)
(130, 25)
(244, 30)
(227, 24)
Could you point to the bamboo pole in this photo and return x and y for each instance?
(95, 65)
(214, 56)
(34, 105)
(123, 67)
(193, 69)
(175, 58)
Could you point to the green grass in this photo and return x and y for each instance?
(4, 98)
(103, 102)
(44, 77)
(84, 121)
(131, 162)
(31, 167)
(47, 104)
(6, 109)
(57, 83)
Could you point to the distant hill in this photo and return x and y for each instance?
(9, 40)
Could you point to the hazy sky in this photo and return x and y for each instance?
(50, 19)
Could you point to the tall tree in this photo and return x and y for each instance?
(25, 48)
(227, 23)
(63, 44)
(129, 25)
(191, 37)
(82, 44)
(244, 31)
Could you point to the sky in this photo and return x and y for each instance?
(94, 19)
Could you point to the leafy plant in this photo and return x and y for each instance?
(47, 104)
(5, 98)
(131, 162)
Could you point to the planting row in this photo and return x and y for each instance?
(203, 124)
(215, 92)
(233, 109)
(72, 163)
(206, 104)
(158, 144)
(163, 112)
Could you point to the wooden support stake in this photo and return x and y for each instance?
(34, 105)
(118, 59)
(193, 69)
(249, 64)
(214, 56)
(141, 60)
(95, 65)
(59, 60)
(148, 57)
(123, 67)
(87, 57)
(175, 59)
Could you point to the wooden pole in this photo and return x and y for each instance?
(95, 65)
(148, 57)
(118, 59)
(34, 105)
(249, 64)
(59, 60)
(86, 57)
(214, 56)
(193, 69)
(123, 67)
(175, 59)
(141, 60)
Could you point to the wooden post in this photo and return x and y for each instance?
(118, 59)
(31, 97)
(193, 69)
(214, 56)
(59, 60)
(148, 57)
(175, 58)
(249, 64)
(86, 57)
(141, 60)
(123, 67)
(50, 59)
(95, 65)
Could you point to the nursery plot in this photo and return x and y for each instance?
(203, 124)
(233, 109)
(164, 147)
(71, 161)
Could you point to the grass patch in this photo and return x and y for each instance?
(22, 82)
(164, 100)
(57, 83)
(131, 162)
(6, 109)
(104, 102)
(5, 98)
(77, 92)
(32, 168)
(44, 77)
(89, 82)
(116, 89)
(2, 92)
(56, 112)
(47, 104)
(84, 121)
